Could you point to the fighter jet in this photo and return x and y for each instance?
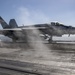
(18, 32)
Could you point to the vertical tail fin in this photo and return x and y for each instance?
(3, 23)
(13, 23)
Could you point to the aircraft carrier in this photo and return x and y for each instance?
(46, 59)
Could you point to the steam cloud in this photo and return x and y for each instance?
(41, 50)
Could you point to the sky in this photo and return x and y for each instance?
(28, 12)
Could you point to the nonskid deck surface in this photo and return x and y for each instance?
(56, 58)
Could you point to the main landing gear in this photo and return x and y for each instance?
(50, 39)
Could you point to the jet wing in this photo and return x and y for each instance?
(20, 29)
(2, 31)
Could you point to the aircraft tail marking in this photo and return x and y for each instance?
(3, 23)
